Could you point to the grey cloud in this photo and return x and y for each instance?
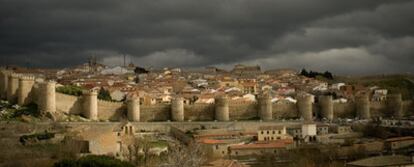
(50, 33)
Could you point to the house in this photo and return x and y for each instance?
(322, 129)
(248, 86)
(309, 132)
(117, 95)
(342, 129)
(271, 133)
(399, 142)
(305, 132)
(337, 86)
(99, 141)
(240, 69)
(218, 148)
(380, 95)
(261, 148)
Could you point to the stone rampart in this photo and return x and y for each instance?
(48, 100)
(68, 104)
(112, 111)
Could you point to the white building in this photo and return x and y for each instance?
(309, 132)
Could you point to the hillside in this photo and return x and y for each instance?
(395, 83)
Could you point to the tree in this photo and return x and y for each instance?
(70, 90)
(140, 70)
(304, 72)
(104, 95)
(328, 75)
(92, 161)
(186, 156)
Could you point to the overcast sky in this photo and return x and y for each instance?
(342, 36)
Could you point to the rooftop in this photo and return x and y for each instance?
(390, 160)
(400, 138)
(271, 128)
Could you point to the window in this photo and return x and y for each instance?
(262, 132)
(217, 147)
(273, 132)
(280, 132)
(222, 152)
(267, 132)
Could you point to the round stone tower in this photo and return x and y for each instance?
(90, 104)
(12, 86)
(362, 106)
(25, 88)
(47, 98)
(4, 79)
(326, 104)
(222, 108)
(133, 109)
(265, 105)
(304, 104)
(177, 109)
(394, 105)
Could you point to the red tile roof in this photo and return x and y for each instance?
(259, 146)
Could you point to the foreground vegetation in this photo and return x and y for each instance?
(93, 161)
(70, 90)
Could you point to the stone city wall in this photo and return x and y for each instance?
(112, 111)
(68, 104)
(44, 94)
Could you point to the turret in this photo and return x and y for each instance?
(90, 104)
(265, 105)
(222, 108)
(133, 109)
(394, 105)
(304, 104)
(326, 104)
(362, 106)
(47, 98)
(12, 86)
(177, 109)
(4, 79)
(25, 88)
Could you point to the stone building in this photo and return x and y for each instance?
(399, 142)
(261, 148)
(271, 133)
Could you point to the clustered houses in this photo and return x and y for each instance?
(242, 84)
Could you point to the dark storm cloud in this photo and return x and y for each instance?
(190, 33)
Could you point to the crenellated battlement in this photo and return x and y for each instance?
(15, 75)
(26, 77)
(26, 83)
(90, 92)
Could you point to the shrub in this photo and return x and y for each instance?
(30, 109)
(104, 95)
(38, 136)
(93, 161)
(70, 90)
